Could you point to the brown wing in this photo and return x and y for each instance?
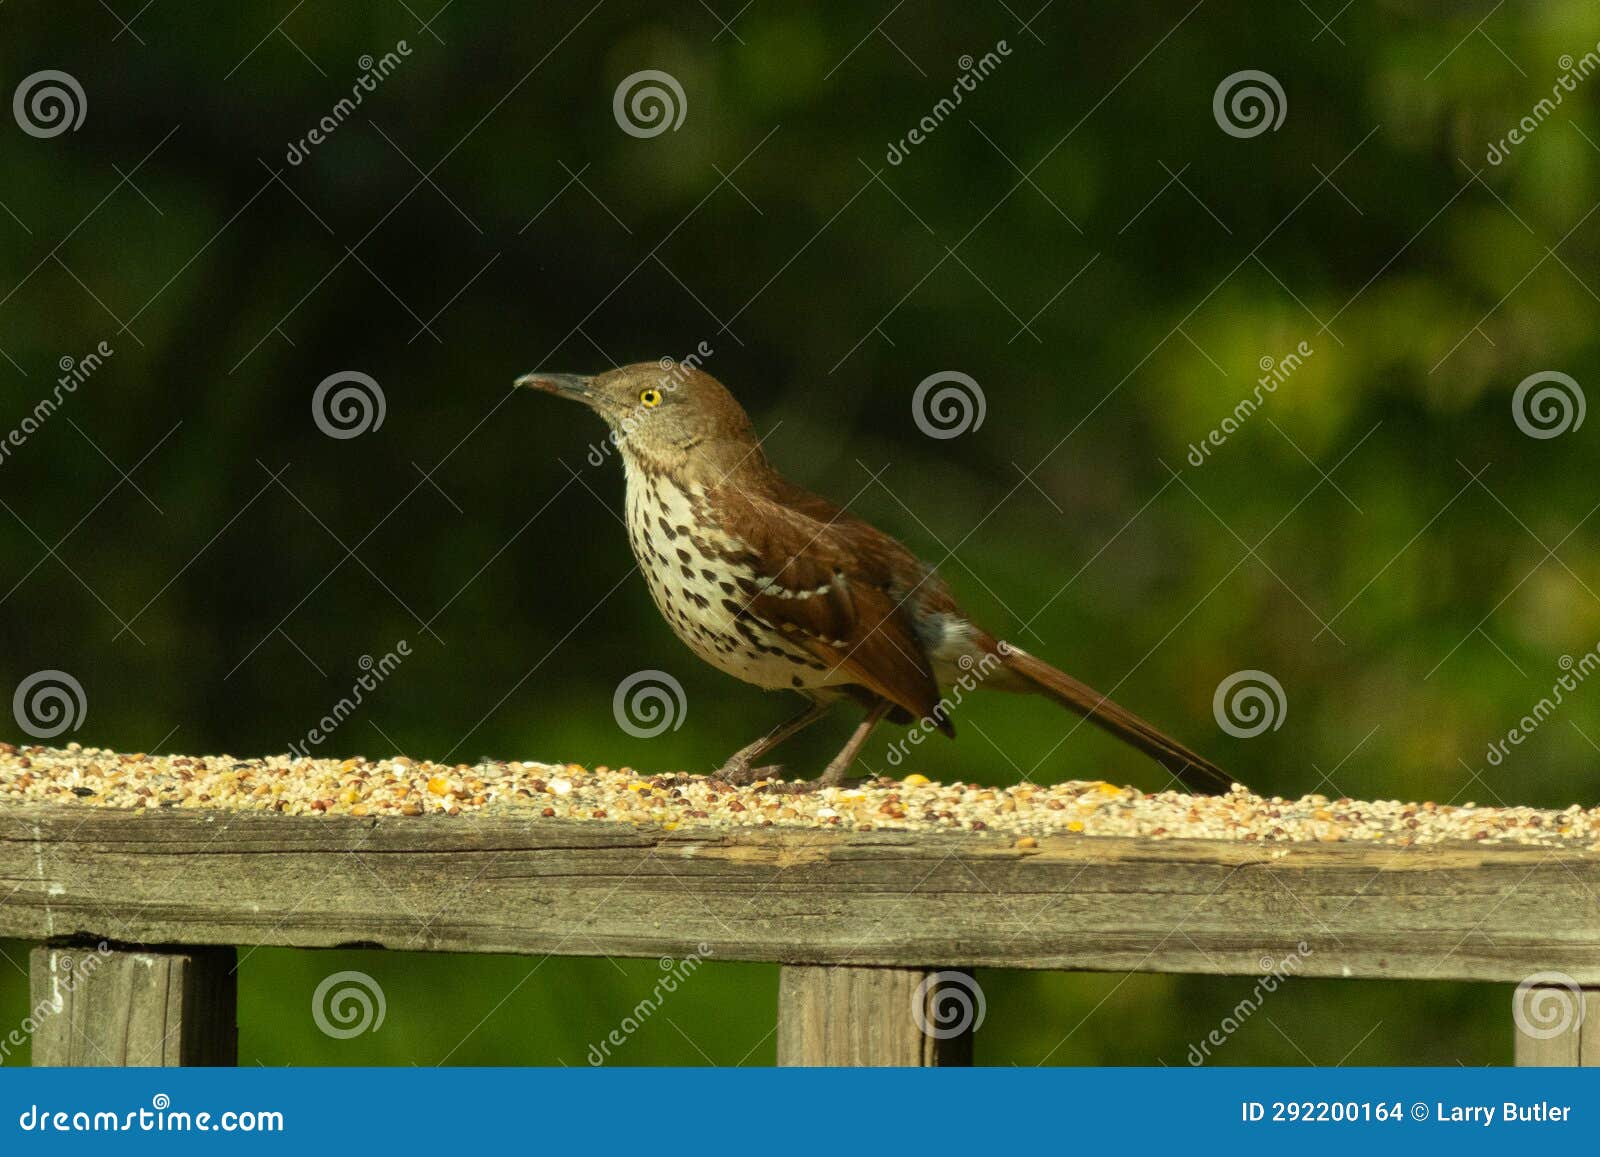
(840, 589)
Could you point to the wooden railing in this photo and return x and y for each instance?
(860, 920)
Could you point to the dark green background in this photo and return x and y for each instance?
(1431, 271)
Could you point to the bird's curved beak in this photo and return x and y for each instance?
(574, 386)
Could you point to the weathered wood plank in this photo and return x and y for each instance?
(1556, 1024)
(134, 1008)
(505, 884)
(845, 1015)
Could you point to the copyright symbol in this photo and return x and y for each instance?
(1419, 1111)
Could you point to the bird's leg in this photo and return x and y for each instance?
(738, 767)
(833, 774)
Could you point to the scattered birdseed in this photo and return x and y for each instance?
(82, 776)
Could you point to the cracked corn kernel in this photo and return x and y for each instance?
(915, 780)
(438, 785)
(1075, 826)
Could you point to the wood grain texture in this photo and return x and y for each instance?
(134, 1008)
(875, 1016)
(506, 884)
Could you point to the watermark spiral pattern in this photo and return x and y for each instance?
(648, 703)
(1248, 703)
(48, 703)
(948, 404)
(1548, 404)
(49, 103)
(347, 1004)
(648, 103)
(947, 1004)
(348, 404)
(1248, 103)
(1547, 1004)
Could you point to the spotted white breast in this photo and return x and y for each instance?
(693, 569)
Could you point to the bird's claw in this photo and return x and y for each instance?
(740, 774)
(771, 781)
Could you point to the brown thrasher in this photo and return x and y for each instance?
(783, 589)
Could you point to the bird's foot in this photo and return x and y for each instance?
(739, 773)
(777, 786)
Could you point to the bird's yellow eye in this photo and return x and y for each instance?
(650, 399)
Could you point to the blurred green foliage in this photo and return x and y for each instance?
(1380, 536)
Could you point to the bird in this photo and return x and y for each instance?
(782, 588)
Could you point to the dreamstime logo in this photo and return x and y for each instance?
(1572, 72)
(375, 671)
(951, 410)
(66, 972)
(673, 973)
(1548, 404)
(49, 103)
(1547, 1004)
(373, 73)
(1274, 372)
(674, 372)
(648, 103)
(74, 372)
(48, 703)
(647, 703)
(1249, 702)
(1274, 971)
(947, 1004)
(348, 1004)
(1248, 103)
(973, 672)
(1576, 671)
(972, 73)
(348, 404)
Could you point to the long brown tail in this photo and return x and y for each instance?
(1197, 773)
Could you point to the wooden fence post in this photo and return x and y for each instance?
(134, 1007)
(1556, 1023)
(876, 1016)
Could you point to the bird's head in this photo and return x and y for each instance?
(660, 410)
